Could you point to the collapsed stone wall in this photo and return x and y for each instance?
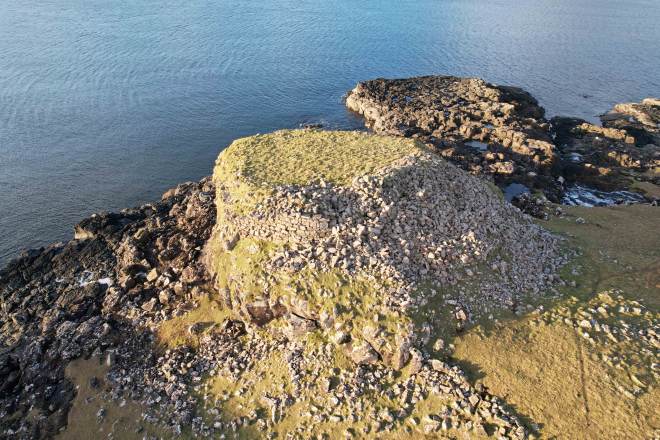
(419, 219)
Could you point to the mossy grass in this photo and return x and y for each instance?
(294, 157)
(560, 384)
(557, 379)
(647, 189)
(122, 419)
(498, 192)
(174, 332)
(543, 369)
(253, 166)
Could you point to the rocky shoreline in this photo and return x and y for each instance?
(500, 133)
(58, 303)
(106, 293)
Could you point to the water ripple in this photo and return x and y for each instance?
(105, 104)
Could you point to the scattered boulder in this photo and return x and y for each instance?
(295, 327)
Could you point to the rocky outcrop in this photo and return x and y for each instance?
(500, 133)
(604, 157)
(486, 129)
(72, 299)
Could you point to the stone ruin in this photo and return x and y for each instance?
(418, 220)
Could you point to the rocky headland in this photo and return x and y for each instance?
(500, 133)
(353, 285)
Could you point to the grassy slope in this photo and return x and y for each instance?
(547, 370)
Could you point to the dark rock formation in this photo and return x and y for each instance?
(58, 303)
(628, 141)
(500, 133)
(487, 129)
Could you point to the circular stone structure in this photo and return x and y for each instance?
(366, 237)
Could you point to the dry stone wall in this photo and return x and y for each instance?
(283, 228)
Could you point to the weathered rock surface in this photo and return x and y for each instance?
(513, 142)
(500, 132)
(605, 156)
(417, 220)
(65, 301)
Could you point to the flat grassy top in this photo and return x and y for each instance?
(294, 157)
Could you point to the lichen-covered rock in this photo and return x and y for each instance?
(361, 353)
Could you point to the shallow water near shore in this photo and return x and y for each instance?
(106, 105)
(583, 196)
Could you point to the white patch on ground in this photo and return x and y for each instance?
(106, 281)
(88, 278)
(85, 280)
(581, 196)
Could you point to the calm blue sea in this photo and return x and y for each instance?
(106, 104)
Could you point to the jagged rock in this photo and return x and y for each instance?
(340, 337)
(451, 113)
(629, 140)
(361, 353)
(152, 275)
(196, 328)
(65, 289)
(149, 305)
(417, 361)
(141, 236)
(439, 365)
(295, 327)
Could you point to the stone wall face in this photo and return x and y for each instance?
(284, 228)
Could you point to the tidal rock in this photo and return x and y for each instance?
(459, 117)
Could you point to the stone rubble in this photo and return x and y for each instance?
(419, 219)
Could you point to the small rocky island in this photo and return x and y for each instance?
(328, 284)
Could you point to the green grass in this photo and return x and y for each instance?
(498, 192)
(294, 157)
(548, 373)
(543, 370)
(251, 167)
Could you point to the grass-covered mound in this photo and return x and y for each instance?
(390, 223)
